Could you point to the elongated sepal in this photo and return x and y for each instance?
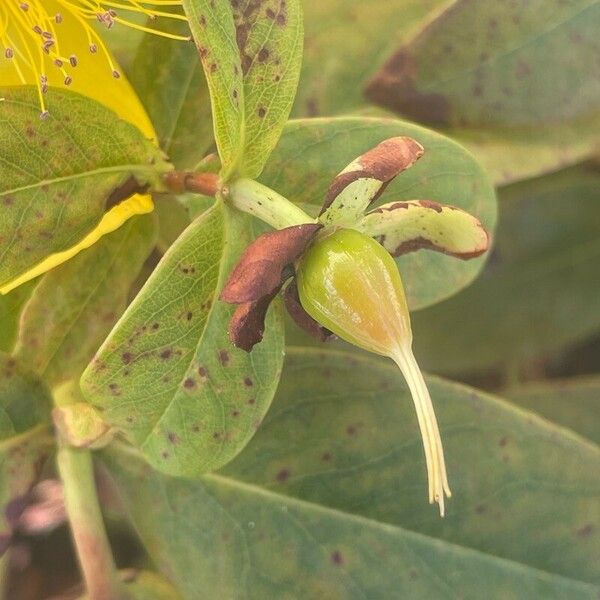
(365, 178)
(402, 227)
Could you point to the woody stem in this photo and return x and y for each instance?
(178, 182)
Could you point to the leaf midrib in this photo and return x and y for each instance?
(82, 175)
(220, 278)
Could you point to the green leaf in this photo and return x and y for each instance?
(534, 296)
(343, 433)
(572, 402)
(58, 173)
(513, 154)
(338, 66)
(312, 151)
(329, 499)
(251, 53)
(10, 310)
(24, 436)
(168, 78)
(74, 306)
(167, 376)
(480, 63)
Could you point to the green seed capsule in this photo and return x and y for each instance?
(350, 284)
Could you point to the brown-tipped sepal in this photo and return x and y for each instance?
(301, 317)
(257, 278)
(262, 268)
(402, 227)
(247, 326)
(365, 179)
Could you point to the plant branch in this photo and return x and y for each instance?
(178, 182)
(260, 201)
(87, 527)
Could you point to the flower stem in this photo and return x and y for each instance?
(87, 527)
(264, 203)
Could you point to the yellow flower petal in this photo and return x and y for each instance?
(92, 76)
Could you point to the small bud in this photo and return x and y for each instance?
(350, 284)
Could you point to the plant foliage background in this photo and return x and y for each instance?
(237, 475)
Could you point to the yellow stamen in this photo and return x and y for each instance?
(34, 39)
(53, 43)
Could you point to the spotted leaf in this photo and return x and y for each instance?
(60, 175)
(326, 501)
(251, 53)
(168, 377)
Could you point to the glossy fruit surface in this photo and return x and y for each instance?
(350, 284)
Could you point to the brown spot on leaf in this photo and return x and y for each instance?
(166, 354)
(283, 475)
(352, 430)
(585, 531)
(248, 382)
(337, 558)
(189, 384)
(503, 441)
(126, 357)
(173, 438)
(394, 86)
(432, 205)
(224, 357)
(262, 55)
(261, 112)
